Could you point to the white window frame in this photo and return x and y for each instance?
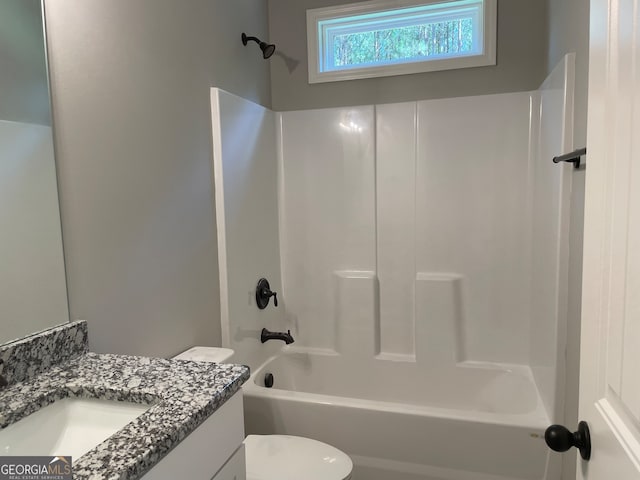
(316, 38)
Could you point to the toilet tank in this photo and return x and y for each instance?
(206, 354)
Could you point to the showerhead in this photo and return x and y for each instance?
(267, 48)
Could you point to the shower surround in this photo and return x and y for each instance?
(420, 247)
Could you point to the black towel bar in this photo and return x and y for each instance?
(572, 157)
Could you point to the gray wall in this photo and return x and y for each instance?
(130, 82)
(569, 32)
(24, 91)
(522, 47)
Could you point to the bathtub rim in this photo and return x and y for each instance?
(536, 420)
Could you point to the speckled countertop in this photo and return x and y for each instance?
(183, 395)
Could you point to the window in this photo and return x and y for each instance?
(395, 37)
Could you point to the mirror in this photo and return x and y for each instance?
(33, 292)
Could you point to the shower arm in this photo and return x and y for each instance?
(255, 39)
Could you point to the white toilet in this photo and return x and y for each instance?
(282, 457)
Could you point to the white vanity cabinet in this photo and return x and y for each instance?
(235, 468)
(213, 451)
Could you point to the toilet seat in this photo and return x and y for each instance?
(285, 457)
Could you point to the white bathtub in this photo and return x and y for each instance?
(399, 421)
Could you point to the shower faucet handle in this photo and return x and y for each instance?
(264, 293)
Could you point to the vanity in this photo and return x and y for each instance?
(178, 419)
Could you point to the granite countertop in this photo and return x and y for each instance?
(183, 395)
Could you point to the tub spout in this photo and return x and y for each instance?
(266, 335)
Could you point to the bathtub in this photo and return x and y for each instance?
(400, 421)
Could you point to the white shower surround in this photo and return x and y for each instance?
(422, 206)
(425, 237)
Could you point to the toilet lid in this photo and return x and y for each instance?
(284, 457)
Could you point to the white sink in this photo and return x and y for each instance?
(72, 426)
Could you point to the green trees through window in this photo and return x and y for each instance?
(379, 38)
(443, 38)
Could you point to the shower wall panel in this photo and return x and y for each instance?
(550, 202)
(246, 189)
(328, 216)
(404, 195)
(395, 209)
(472, 216)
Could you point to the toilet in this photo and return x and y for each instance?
(281, 457)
